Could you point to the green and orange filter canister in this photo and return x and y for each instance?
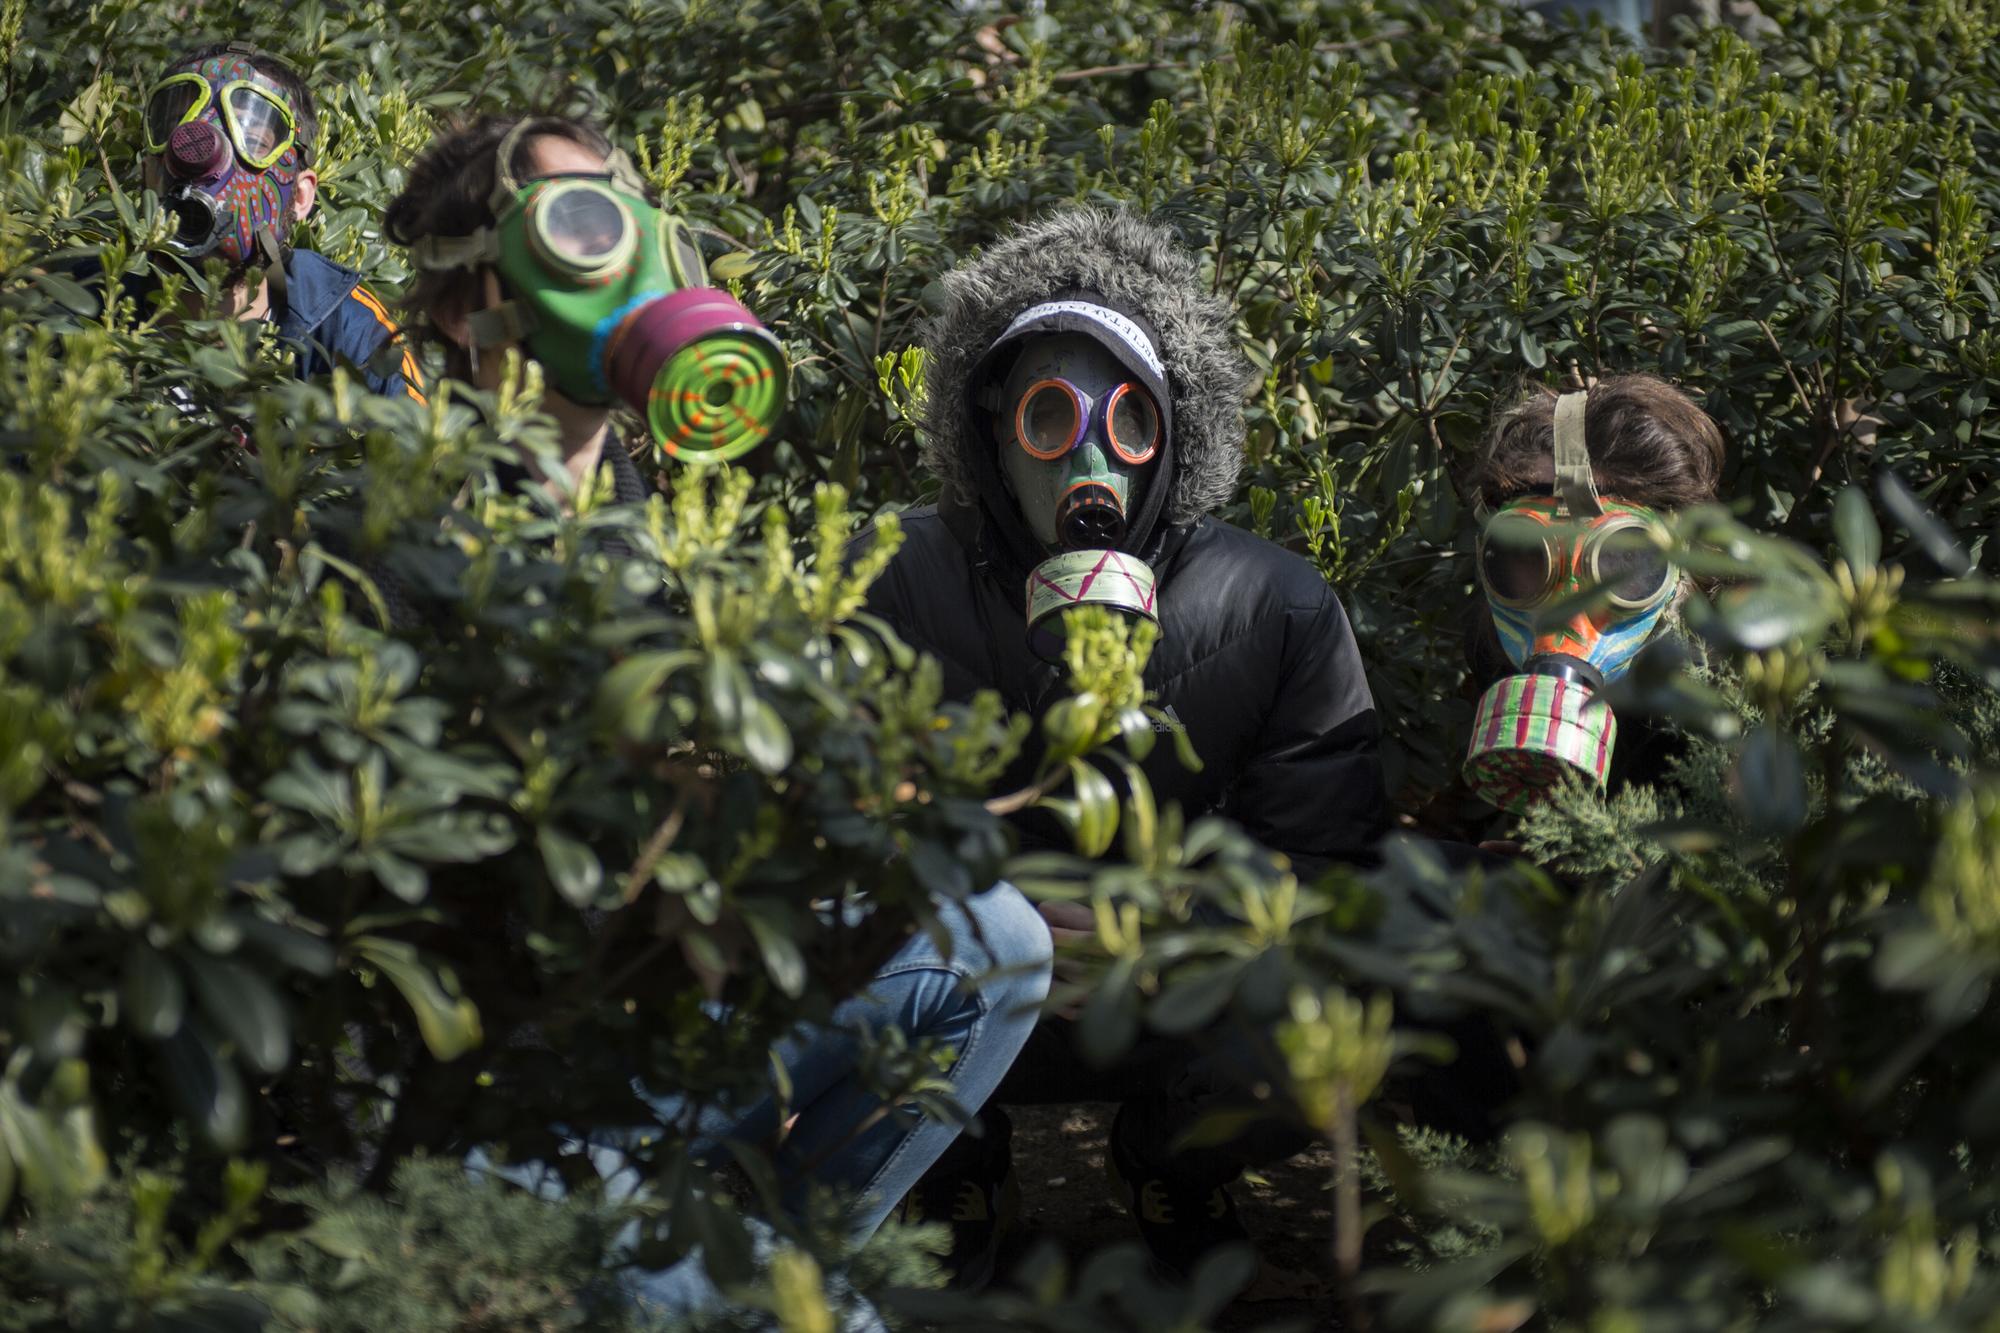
(1531, 731)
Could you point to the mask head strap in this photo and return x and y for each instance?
(482, 245)
(450, 252)
(1575, 486)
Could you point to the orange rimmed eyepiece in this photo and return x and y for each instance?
(1528, 554)
(1132, 424)
(1048, 421)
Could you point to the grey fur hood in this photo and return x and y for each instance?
(1134, 263)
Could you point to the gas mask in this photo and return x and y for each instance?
(228, 146)
(611, 297)
(1533, 553)
(1078, 435)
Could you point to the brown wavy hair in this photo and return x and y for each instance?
(448, 192)
(1650, 444)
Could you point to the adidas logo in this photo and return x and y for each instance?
(1170, 723)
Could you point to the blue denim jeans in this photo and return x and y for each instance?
(981, 1000)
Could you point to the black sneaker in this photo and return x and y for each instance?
(971, 1189)
(1180, 1221)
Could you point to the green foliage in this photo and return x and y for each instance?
(357, 802)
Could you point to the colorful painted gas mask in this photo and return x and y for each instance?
(1544, 552)
(227, 142)
(1079, 433)
(611, 297)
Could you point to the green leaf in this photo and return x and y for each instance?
(573, 867)
(244, 1008)
(1096, 809)
(8, 1174)
(288, 945)
(67, 292)
(766, 741)
(942, 874)
(726, 685)
(154, 998)
(1935, 539)
(1110, 1017)
(1771, 614)
(626, 699)
(1142, 822)
(449, 1023)
(783, 962)
(1194, 996)
(1855, 529)
(405, 879)
(207, 1087)
(1770, 782)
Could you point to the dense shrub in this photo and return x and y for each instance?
(290, 898)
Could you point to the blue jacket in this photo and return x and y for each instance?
(329, 316)
(334, 319)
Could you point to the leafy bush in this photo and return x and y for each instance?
(288, 885)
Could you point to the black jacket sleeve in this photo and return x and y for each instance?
(1312, 786)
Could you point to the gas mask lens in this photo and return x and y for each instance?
(580, 230)
(1049, 420)
(260, 124)
(1625, 557)
(1515, 560)
(1132, 424)
(173, 102)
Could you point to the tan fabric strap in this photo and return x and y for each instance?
(1575, 486)
(507, 322)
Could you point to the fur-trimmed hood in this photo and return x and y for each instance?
(1134, 263)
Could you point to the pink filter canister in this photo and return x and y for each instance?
(1531, 731)
(709, 378)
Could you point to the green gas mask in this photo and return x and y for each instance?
(611, 297)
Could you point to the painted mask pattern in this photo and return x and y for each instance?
(246, 199)
(1607, 637)
(1080, 382)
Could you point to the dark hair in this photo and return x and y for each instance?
(448, 192)
(289, 82)
(1650, 444)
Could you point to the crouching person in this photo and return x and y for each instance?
(533, 234)
(1572, 489)
(1086, 416)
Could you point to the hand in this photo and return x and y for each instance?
(1068, 918)
(1072, 927)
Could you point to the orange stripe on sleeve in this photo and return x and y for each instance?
(412, 379)
(375, 307)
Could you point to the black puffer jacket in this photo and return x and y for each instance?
(1255, 659)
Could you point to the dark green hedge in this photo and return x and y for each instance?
(284, 889)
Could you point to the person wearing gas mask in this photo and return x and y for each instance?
(1084, 418)
(533, 234)
(1571, 489)
(229, 139)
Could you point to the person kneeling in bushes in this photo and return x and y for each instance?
(1572, 489)
(1085, 417)
(487, 286)
(230, 133)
